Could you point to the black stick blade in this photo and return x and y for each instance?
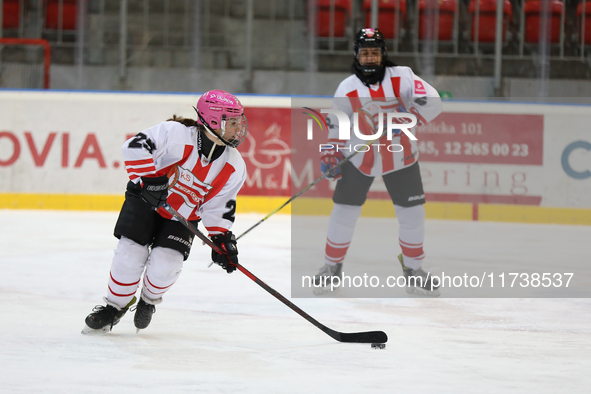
(361, 337)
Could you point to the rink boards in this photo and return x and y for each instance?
(523, 162)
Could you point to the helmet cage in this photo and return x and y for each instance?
(370, 38)
(240, 122)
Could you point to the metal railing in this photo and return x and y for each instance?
(269, 34)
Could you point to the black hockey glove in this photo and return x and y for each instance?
(155, 190)
(229, 258)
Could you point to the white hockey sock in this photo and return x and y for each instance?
(164, 268)
(126, 271)
(341, 228)
(411, 234)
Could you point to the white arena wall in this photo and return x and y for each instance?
(479, 160)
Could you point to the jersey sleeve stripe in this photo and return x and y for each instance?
(139, 162)
(143, 173)
(142, 167)
(152, 168)
(216, 230)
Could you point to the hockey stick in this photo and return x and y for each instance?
(311, 185)
(356, 337)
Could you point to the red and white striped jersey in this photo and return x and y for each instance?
(400, 91)
(197, 189)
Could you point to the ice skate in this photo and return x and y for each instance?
(419, 281)
(103, 318)
(323, 281)
(143, 315)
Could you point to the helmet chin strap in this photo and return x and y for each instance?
(210, 131)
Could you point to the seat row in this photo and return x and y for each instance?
(482, 18)
(12, 14)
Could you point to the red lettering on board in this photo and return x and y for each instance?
(16, 149)
(65, 149)
(39, 159)
(90, 150)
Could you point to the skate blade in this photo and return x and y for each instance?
(92, 331)
(423, 292)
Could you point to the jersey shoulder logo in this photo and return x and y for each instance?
(420, 87)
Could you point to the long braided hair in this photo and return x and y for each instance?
(186, 121)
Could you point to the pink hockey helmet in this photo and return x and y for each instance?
(220, 110)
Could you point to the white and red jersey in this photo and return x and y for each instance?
(400, 91)
(197, 189)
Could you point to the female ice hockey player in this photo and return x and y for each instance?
(377, 86)
(195, 168)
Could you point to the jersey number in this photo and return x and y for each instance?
(230, 215)
(142, 141)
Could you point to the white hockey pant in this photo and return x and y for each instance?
(341, 228)
(160, 268)
(411, 234)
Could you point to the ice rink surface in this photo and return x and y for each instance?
(216, 332)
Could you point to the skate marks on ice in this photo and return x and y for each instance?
(221, 333)
(474, 260)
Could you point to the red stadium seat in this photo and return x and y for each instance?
(447, 10)
(386, 15)
(532, 12)
(11, 14)
(487, 22)
(342, 9)
(587, 21)
(69, 13)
